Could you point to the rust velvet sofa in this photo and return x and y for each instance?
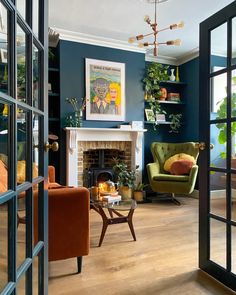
(68, 225)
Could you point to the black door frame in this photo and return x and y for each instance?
(10, 197)
(223, 275)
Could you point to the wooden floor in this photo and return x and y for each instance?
(163, 260)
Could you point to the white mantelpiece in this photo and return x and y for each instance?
(76, 135)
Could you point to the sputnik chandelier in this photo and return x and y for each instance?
(156, 31)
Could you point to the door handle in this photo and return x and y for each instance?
(54, 146)
(202, 146)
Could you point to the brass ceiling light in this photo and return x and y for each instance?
(155, 32)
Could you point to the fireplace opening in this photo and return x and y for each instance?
(98, 165)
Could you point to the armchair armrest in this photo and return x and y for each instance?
(193, 174)
(153, 169)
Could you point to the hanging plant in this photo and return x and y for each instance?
(175, 122)
(155, 73)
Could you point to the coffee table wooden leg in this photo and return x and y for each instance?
(130, 223)
(104, 228)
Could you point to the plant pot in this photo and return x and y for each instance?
(125, 192)
(139, 196)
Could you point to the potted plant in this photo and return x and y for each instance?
(155, 74)
(175, 122)
(138, 193)
(125, 179)
(159, 113)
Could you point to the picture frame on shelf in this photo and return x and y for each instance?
(105, 90)
(3, 55)
(150, 117)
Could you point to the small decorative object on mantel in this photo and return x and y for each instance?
(75, 119)
(136, 124)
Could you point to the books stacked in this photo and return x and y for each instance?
(112, 199)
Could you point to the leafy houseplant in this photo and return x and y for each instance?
(175, 122)
(222, 114)
(155, 73)
(125, 178)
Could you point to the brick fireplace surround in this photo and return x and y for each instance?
(80, 140)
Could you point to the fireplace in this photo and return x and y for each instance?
(90, 153)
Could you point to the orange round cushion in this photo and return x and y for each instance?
(181, 167)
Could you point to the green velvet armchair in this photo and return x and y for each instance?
(162, 182)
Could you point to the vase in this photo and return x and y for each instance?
(172, 76)
(177, 74)
(75, 119)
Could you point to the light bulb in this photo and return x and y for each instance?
(131, 39)
(140, 45)
(181, 24)
(139, 37)
(177, 42)
(147, 19)
(173, 27)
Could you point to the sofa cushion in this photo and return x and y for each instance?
(172, 178)
(3, 177)
(21, 169)
(177, 157)
(181, 167)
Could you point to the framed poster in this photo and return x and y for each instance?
(105, 90)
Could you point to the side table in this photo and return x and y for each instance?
(113, 209)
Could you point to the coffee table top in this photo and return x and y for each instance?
(118, 206)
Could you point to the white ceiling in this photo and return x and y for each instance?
(120, 19)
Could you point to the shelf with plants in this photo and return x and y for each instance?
(163, 97)
(158, 122)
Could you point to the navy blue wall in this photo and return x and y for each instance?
(72, 77)
(189, 72)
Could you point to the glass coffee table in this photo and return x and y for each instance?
(111, 214)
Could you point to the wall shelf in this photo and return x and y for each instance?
(173, 83)
(53, 69)
(158, 122)
(168, 102)
(53, 94)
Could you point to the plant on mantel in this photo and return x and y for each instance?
(75, 119)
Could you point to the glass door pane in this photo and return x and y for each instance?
(218, 48)
(233, 41)
(21, 64)
(3, 49)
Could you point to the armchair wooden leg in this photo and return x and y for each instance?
(174, 200)
(79, 263)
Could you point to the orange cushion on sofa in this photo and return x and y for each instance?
(3, 177)
(181, 167)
